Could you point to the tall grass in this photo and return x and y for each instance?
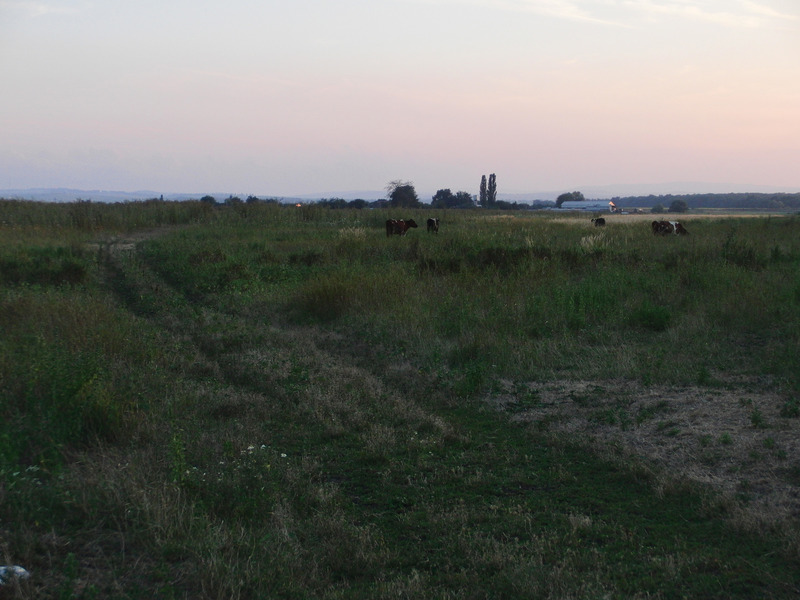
(529, 282)
(262, 401)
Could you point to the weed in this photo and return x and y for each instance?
(471, 380)
(652, 317)
(741, 253)
(791, 474)
(323, 299)
(757, 419)
(70, 570)
(579, 398)
(668, 428)
(650, 411)
(704, 376)
(178, 465)
(790, 409)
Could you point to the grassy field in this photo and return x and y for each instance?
(260, 401)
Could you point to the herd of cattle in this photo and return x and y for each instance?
(401, 227)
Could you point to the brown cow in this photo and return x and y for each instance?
(659, 227)
(668, 227)
(399, 226)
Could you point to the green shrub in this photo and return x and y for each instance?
(741, 253)
(757, 419)
(44, 266)
(62, 400)
(790, 409)
(651, 317)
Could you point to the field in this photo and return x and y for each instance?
(259, 401)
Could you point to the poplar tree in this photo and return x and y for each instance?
(491, 192)
(482, 201)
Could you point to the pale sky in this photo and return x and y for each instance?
(289, 97)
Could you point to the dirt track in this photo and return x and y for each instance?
(741, 442)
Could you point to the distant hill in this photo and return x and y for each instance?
(71, 195)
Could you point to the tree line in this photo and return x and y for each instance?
(770, 201)
(402, 194)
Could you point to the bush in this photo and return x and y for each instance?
(651, 317)
(791, 409)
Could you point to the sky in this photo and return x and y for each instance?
(292, 97)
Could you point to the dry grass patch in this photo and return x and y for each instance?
(742, 442)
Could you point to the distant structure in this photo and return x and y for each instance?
(590, 205)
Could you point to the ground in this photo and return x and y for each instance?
(741, 442)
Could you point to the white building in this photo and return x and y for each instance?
(591, 205)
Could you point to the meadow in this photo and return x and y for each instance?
(260, 401)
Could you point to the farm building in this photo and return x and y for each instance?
(592, 205)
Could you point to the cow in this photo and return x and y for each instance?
(679, 229)
(662, 228)
(668, 227)
(433, 225)
(398, 226)
(599, 222)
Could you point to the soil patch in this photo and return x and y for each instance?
(126, 243)
(744, 443)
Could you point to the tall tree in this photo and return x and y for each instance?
(442, 199)
(482, 201)
(678, 206)
(446, 199)
(569, 197)
(402, 194)
(464, 200)
(491, 190)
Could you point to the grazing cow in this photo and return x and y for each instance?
(662, 228)
(599, 222)
(679, 229)
(668, 227)
(433, 225)
(398, 226)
